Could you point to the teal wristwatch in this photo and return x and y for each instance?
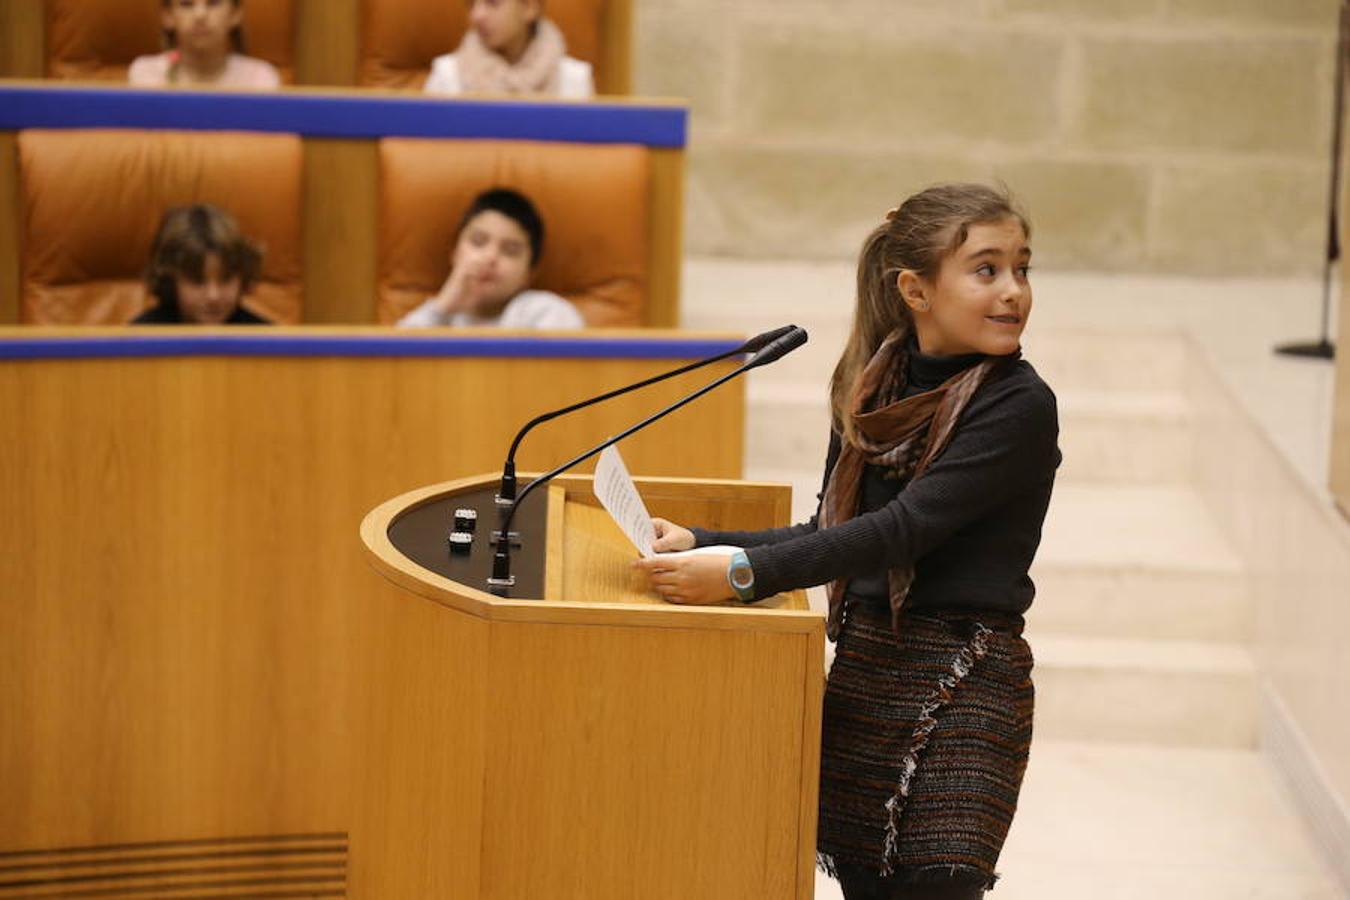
(741, 577)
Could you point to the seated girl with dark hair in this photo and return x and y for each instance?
(499, 242)
(200, 268)
(204, 41)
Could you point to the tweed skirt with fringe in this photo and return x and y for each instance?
(925, 741)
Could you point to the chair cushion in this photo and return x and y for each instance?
(91, 201)
(98, 39)
(400, 38)
(593, 199)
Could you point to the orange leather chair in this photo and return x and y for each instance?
(400, 38)
(592, 197)
(91, 200)
(98, 39)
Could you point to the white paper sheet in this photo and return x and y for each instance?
(618, 495)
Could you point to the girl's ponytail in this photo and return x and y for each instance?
(878, 312)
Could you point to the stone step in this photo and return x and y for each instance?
(805, 482)
(1175, 693)
(1121, 591)
(1134, 583)
(1136, 437)
(1108, 529)
(787, 426)
(809, 366)
(1142, 629)
(1137, 626)
(1093, 595)
(1108, 361)
(1148, 528)
(1140, 603)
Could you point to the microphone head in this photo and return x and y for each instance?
(760, 341)
(780, 347)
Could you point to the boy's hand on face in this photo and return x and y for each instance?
(460, 291)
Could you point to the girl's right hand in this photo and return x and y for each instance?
(670, 536)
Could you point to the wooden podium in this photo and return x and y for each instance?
(595, 743)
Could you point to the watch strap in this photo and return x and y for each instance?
(738, 566)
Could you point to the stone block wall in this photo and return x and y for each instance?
(1182, 136)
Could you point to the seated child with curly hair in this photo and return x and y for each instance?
(200, 268)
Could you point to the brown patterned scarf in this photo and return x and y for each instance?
(904, 435)
(482, 71)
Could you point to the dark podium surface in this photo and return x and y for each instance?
(422, 534)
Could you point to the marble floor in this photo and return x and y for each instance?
(1102, 818)
(1116, 821)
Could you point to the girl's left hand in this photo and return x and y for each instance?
(697, 580)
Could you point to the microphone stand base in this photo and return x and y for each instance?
(501, 586)
(1323, 349)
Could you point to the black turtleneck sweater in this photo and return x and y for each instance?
(970, 525)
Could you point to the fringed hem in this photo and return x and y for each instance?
(964, 876)
(965, 660)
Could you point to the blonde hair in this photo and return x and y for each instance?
(918, 235)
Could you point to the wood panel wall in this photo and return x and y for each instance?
(328, 37)
(183, 574)
(616, 74)
(10, 213)
(23, 39)
(341, 230)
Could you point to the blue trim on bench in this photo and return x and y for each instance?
(340, 115)
(320, 345)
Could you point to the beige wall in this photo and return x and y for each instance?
(1340, 410)
(1296, 550)
(1168, 135)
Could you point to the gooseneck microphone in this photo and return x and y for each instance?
(775, 348)
(506, 494)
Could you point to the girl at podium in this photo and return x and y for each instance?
(942, 458)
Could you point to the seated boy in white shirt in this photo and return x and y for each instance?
(498, 245)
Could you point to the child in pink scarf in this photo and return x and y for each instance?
(510, 48)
